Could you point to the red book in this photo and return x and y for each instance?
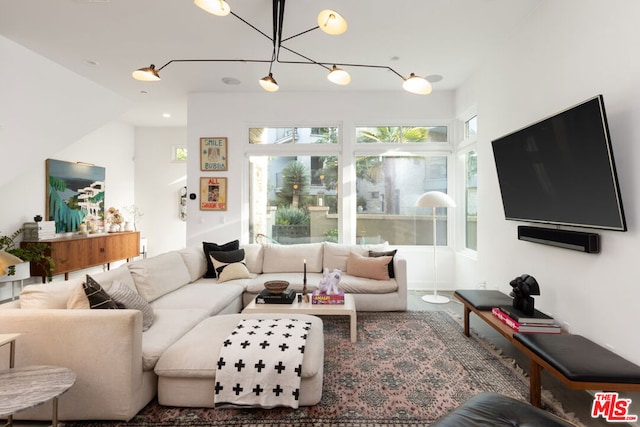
(320, 298)
(541, 329)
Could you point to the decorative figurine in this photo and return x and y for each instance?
(523, 287)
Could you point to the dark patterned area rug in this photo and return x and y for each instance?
(407, 369)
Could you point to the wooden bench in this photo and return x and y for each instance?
(596, 368)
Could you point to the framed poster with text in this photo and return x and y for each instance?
(213, 194)
(213, 154)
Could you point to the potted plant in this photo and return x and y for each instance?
(33, 252)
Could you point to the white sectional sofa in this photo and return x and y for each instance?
(114, 358)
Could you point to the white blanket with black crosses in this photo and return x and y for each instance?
(260, 364)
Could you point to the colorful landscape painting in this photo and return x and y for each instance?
(75, 194)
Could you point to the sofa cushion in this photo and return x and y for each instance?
(159, 275)
(361, 285)
(168, 327)
(48, 295)
(98, 297)
(121, 274)
(369, 267)
(128, 298)
(214, 247)
(290, 258)
(205, 294)
(392, 253)
(253, 257)
(196, 262)
(335, 254)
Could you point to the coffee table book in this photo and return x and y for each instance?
(318, 297)
(540, 328)
(266, 297)
(520, 317)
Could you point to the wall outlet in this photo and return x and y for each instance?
(482, 285)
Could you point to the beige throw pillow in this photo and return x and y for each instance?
(370, 268)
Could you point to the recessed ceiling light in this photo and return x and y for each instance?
(144, 92)
(230, 81)
(434, 78)
(166, 115)
(91, 62)
(395, 58)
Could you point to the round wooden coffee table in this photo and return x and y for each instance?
(29, 386)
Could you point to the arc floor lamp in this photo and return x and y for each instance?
(433, 200)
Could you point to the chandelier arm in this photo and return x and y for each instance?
(217, 60)
(310, 61)
(253, 26)
(299, 34)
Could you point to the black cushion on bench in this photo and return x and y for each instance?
(484, 299)
(496, 410)
(580, 359)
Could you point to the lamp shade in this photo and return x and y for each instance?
(435, 199)
(269, 84)
(146, 74)
(215, 7)
(331, 22)
(416, 84)
(7, 260)
(339, 76)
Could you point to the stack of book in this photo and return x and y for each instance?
(318, 297)
(266, 297)
(39, 230)
(539, 322)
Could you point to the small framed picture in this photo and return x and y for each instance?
(213, 154)
(213, 194)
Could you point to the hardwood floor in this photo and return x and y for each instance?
(577, 402)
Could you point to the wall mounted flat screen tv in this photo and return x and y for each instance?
(561, 170)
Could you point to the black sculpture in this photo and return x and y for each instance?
(523, 287)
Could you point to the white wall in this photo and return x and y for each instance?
(44, 108)
(230, 115)
(157, 186)
(567, 52)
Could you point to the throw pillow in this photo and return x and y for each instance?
(223, 260)
(370, 268)
(235, 270)
(78, 299)
(127, 297)
(392, 253)
(209, 247)
(98, 297)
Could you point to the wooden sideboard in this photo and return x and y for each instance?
(83, 251)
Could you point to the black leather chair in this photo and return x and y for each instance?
(496, 410)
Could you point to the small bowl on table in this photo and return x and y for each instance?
(276, 286)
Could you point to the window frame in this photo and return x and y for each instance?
(347, 149)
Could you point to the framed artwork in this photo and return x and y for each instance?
(213, 154)
(213, 194)
(75, 194)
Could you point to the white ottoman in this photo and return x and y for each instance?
(186, 370)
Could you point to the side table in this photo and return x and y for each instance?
(26, 387)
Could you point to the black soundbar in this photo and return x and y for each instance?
(576, 240)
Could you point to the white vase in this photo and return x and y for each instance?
(128, 226)
(114, 228)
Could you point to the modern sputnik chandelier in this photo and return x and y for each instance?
(329, 21)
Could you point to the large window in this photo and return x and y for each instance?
(388, 187)
(469, 159)
(308, 185)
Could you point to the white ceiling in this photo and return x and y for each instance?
(105, 40)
